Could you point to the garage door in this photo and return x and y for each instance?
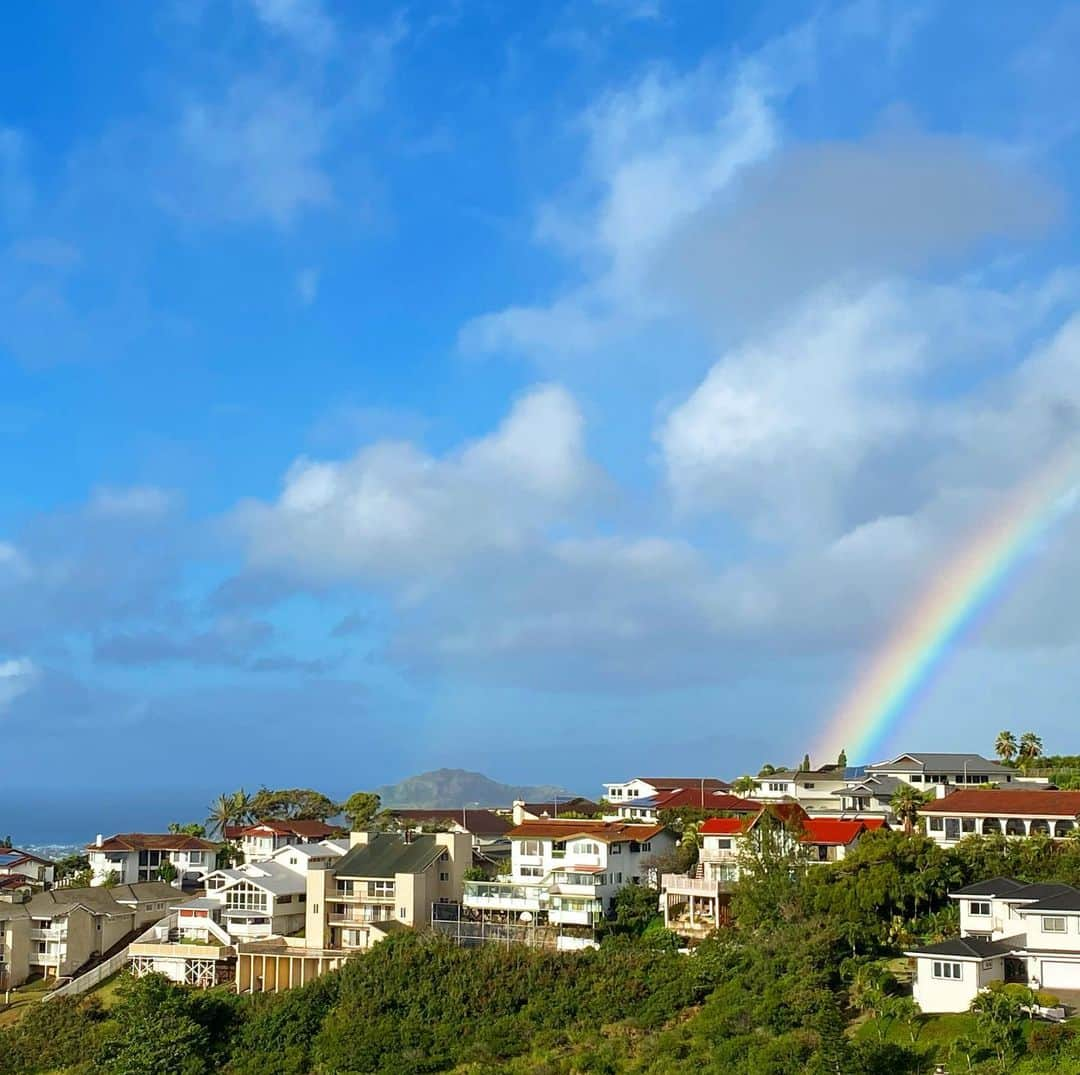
(1057, 975)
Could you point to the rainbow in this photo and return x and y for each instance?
(903, 667)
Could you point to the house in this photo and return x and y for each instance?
(56, 932)
(928, 770)
(813, 789)
(699, 902)
(253, 902)
(648, 809)
(257, 842)
(1013, 812)
(33, 869)
(1009, 931)
(869, 795)
(484, 826)
(643, 787)
(135, 857)
(563, 873)
(573, 805)
(386, 881)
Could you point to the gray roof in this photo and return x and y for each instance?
(995, 886)
(387, 854)
(876, 784)
(969, 948)
(272, 877)
(939, 763)
(1063, 901)
(114, 900)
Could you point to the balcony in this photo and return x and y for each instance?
(505, 896)
(54, 934)
(678, 884)
(377, 914)
(46, 959)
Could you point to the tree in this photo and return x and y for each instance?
(111, 879)
(1005, 746)
(1031, 747)
(190, 828)
(905, 803)
(222, 814)
(293, 804)
(166, 872)
(998, 1018)
(360, 807)
(243, 807)
(805, 766)
(744, 785)
(841, 759)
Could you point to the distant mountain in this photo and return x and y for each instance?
(457, 787)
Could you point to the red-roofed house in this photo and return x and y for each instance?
(694, 798)
(1008, 812)
(132, 857)
(37, 871)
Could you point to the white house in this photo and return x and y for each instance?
(1009, 931)
(927, 770)
(259, 899)
(813, 789)
(133, 857)
(567, 872)
(994, 812)
(36, 871)
(648, 809)
(260, 840)
(643, 787)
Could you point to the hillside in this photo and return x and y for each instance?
(458, 787)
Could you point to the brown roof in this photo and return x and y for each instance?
(692, 797)
(479, 822)
(15, 880)
(575, 804)
(1007, 803)
(606, 831)
(310, 830)
(670, 783)
(153, 841)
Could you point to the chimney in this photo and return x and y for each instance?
(100, 839)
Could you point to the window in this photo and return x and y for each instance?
(586, 847)
(1053, 925)
(967, 824)
(195, 858)
(615, 849)
(916, 778)
(947, 970)
(284, 899)
(936, 824)
(988, 964)
(776, 786)
(980, 908)
(384, 889)
(647, 846)
(402, 912)
(444, 877)
(808, 784)
(245, 897)
(530, 848)
(532, 871)
(558, 849)
(724, 844)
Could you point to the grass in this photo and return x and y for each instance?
(29, 993)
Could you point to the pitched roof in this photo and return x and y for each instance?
(692, 797)
(670, 783)
(309, 830)
(116, 900)
(271, 876)
(1007, 803)
(13, 856)
(826, 830)
(605, 831)
(969, 948)
(153, 841)
(477, 822)
(1063, 901)
(722, 826)
(994, 886)
(14, 880)
(939, 762)
(576, 804)
(876, 784)
(387, 854)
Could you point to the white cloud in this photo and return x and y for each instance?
(17, 676)
(304, 21)
(393, 510)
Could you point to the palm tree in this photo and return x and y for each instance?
(1005, 746)
(744, 785)
(1031, 747)
(222, 813)
(905, 802)
(243, 806)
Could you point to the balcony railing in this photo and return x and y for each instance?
(360, 920)
(682, 885)
(53, 934)
(505, 895)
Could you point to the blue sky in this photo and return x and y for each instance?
(557, 390)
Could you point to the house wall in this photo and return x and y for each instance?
(126, 866)
(15, 940)
(1038, 937)
(935, 995)
(320, 888)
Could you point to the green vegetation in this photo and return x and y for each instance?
(809, 980)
